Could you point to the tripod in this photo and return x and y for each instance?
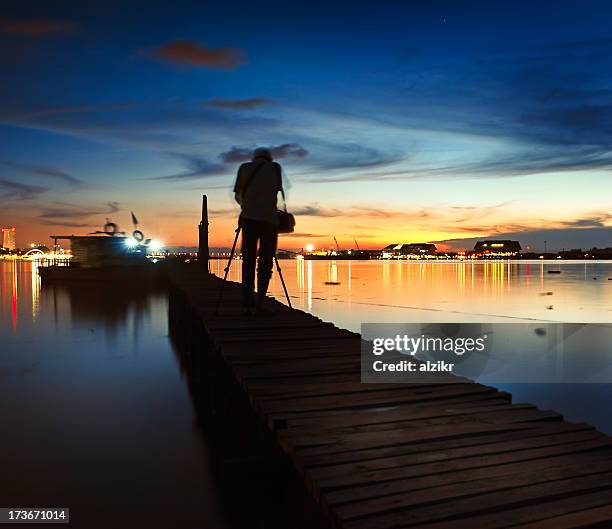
(227, 268)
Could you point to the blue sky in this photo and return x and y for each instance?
(393, 122)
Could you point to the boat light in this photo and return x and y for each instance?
(155, 245)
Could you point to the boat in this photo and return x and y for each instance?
(106, 256)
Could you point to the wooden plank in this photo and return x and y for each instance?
(462, 405)
(426, 475)
(587, 504)
(576, 520)
(498, 415)
(326, 390)
(423, 507)
(381, 398)
(379, 412)
(321, 443)
(398, 485)
(306, 459)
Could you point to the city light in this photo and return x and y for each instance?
(130, 242)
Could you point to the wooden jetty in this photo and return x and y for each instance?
(383, 456)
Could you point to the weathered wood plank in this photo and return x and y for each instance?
(422, 475)
(306, 460)
(524, 446)
(545, 512)
(421, 507)
(381, 398)
(575, 520)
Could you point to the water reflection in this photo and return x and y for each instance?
(115, 308)
(351, 292)
(479, 292)
(98, 411)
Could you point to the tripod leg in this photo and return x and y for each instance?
(280, 273)
(227, 268)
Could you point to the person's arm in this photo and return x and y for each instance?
(279, 181)
(238, 185)
(279, 177)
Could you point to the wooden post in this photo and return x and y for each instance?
(203, 236)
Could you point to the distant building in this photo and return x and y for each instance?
(391, 248)
(418, 249)
(598, 253)
(575, 253)
(409, 250)
(497, 248)
(8, 238)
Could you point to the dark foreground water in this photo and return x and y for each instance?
(94, 412)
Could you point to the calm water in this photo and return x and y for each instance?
(482, 292)
(409, 291)
(95, 415)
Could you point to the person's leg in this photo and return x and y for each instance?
(267, 250)
(249, 254)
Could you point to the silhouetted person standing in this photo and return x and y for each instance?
(257, 185)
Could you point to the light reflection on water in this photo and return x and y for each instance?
(351, 292)
(95, 412)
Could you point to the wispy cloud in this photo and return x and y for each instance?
(196, 167)
(591, 228)
(37, 28)
(298, 234)
(190, 53)
(221, 212)
(10, 190)
(315, 210)
(48, 172)
(163, 125)
(68, 224)
(596, 220)
(239, 104)
(68, 214)
(244, 154)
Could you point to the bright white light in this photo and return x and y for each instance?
(309, 247)
(155, 245)
(130, 242)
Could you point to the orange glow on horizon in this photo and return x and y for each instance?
(371, 229)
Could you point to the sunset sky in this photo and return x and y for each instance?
(393, 122)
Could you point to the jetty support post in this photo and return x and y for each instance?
(203, 236)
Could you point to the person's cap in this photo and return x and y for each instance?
(262, 152)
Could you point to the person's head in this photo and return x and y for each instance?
(262, 152)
